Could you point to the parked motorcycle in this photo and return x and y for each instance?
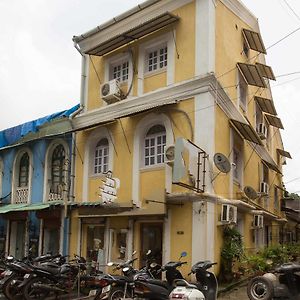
(154, 289)
(119, 286)
(282, 283)
(15, 270)
(51, 279)
(206, 286)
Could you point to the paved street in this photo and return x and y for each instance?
(238, 293)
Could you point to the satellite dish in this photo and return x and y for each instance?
(250, 192)
(222, 163)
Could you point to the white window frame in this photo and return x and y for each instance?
(116, 60)
(237, 164)
(242, 87)
(48, 165)
(141, 130)
(167, 40)
(104, 167)
(153, 57)
(16, 172)
(89, 157)
(156, 156)
(119, 64)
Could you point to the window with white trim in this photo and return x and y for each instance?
(242, 92)
(58, 170)
(24, 171)
(237, 159)
(101, 157)
(276, 198)
(119, 71)
(157, 58)
(155, 142)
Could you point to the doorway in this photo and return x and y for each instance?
(17, 239)
(151, 239)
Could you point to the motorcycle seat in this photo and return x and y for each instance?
(53, 269)
(288, 267)
(157, 282)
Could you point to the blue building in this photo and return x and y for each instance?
(36, 183)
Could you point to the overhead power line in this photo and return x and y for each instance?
(293, 11)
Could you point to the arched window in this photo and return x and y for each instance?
(57, 170)
(101, 157)
(155, 142)
(24, 171)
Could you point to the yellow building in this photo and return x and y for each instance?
(189, 78)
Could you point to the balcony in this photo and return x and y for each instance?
(55, 196)
(21, 195)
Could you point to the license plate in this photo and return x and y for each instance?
(92, 292)
(106, 289)
(26, 275)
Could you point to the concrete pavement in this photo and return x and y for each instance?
(237, 293)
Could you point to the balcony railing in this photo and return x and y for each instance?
(21, 195)
(55, 196)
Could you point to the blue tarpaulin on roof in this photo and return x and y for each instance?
(12, 135)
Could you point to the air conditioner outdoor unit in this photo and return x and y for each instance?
(228, 214)
(262, 131)
(169, 154)
(264, 188)
(258, 221)
(111, 92)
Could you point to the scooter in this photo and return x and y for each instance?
(282, 283)
(154, 289)
(205, 288)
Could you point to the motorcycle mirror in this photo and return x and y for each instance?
(153, 265)
(125, 269)
(10, 257)
(110, 264)
(148, 252)
(183, 254)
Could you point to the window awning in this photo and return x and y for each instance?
(272, 166)
(274, 121)
(254, 40)
(246, 131)
(284, 153)
(266, 105)
(265, 71)
(134, 33)
(11, 207)
(251, 74)
(27, 207)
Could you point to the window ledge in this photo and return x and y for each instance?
(96, 176)
(157, 167)
(156, 72)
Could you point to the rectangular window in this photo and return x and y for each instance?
(237, 159)
(120, 71)
(276, 199)
(265, 173)
(157, 59)
(154, 149)
(242, 92)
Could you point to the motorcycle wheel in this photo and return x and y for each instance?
(260, 288)
(117, 293)
(31, 292)
(9, 288)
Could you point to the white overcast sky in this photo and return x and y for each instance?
(40, 68)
